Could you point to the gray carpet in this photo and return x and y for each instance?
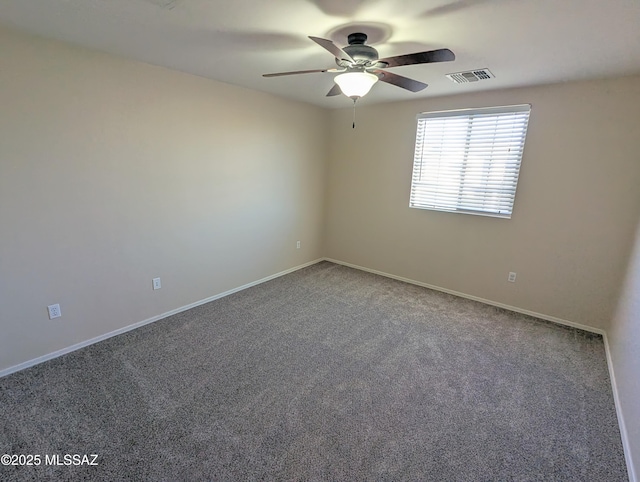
(327, 373)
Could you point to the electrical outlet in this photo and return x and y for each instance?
(297, 244)
(512, 277)
(156, 284)
(54, 311)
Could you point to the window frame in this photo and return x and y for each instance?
(494, 180)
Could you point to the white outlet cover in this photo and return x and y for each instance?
(156, 284)
(512, 277)
(54, 311)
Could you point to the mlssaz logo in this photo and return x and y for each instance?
(71, 459)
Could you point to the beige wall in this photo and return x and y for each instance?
(114, 172)
(575, 213)
(624, 344)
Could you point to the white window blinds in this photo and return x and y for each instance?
(468, 161)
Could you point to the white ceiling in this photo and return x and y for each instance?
(523, 42)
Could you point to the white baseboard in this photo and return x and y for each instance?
(119, 331)
(623, 432)
(621, 424)
(542, 316)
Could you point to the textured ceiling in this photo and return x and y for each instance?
(523, 42)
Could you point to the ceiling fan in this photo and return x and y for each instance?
(359, 66)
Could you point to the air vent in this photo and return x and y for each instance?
(470, 76)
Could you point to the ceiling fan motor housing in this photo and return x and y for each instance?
(361, 53)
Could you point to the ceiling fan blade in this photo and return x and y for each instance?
(440, 55)
(337, 52)
(296, 72)
(400, 81)
(335, 90)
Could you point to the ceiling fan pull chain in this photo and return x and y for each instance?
(354, 113)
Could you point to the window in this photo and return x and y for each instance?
(468, 161)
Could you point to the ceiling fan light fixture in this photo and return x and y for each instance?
(355, 84)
